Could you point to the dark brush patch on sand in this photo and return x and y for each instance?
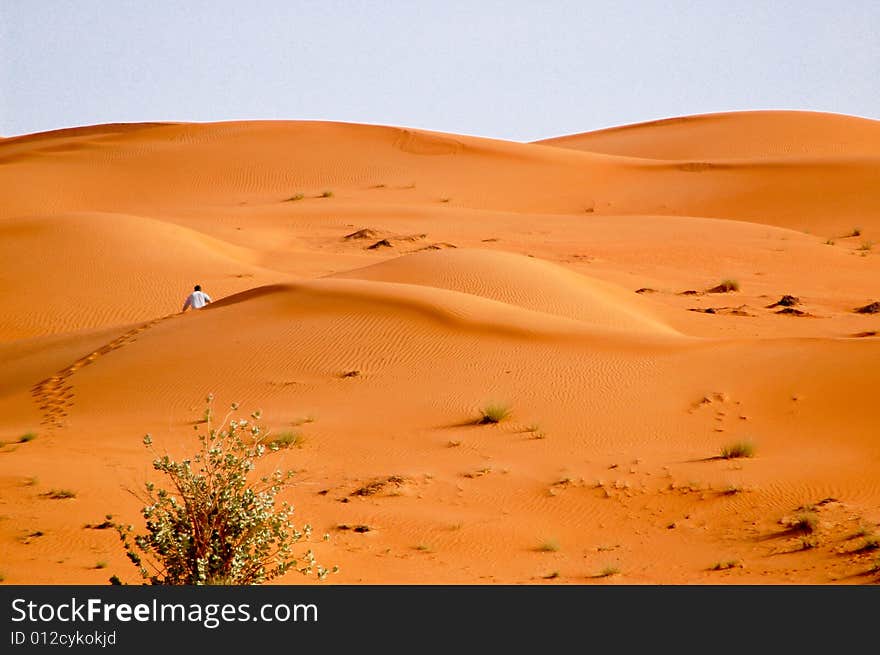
(439, 246)
(785, 301)
(731, 311)
(376, 486)
(791, 311)
(365, 233)
(724, 287)
(873, 308)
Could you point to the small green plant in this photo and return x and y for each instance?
(213, 524)
(725, 286)
(738, 449)
(288, 439)
(806, 522)
(829, 242)
(101, 564)
(494, 413)
(424, 548)
(60, 494)
(549, 546)
(552, 576)
(871, 542)
(26, 437)
(727, 564)
(295, 197)
(608, 571)
(327, 194)
(856, 232)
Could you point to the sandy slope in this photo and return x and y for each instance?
(735, 135)
(508, 274)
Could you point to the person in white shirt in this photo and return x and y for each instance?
(197, 299)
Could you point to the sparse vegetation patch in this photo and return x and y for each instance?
(725, 286)
(494, 413)
(212, 523)
(738, 449)
(60, 494)
(376, 486)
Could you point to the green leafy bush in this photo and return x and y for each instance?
(211, 524)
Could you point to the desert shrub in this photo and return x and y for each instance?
(295, 197)
(212, 524)
(494, 413)
(725, 286)
(327, 194)
(738, 449)
(27, 436)
(724, 565)
(805, 522)
(872, 542)
(286, 440)
(549, 546)
(60, 494)
(608, 571)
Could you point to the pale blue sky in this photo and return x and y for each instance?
(514, 70)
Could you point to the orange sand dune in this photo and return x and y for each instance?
(570, 279)
(734, 135)
(93, 270)
(518, 280)
(169, 169)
